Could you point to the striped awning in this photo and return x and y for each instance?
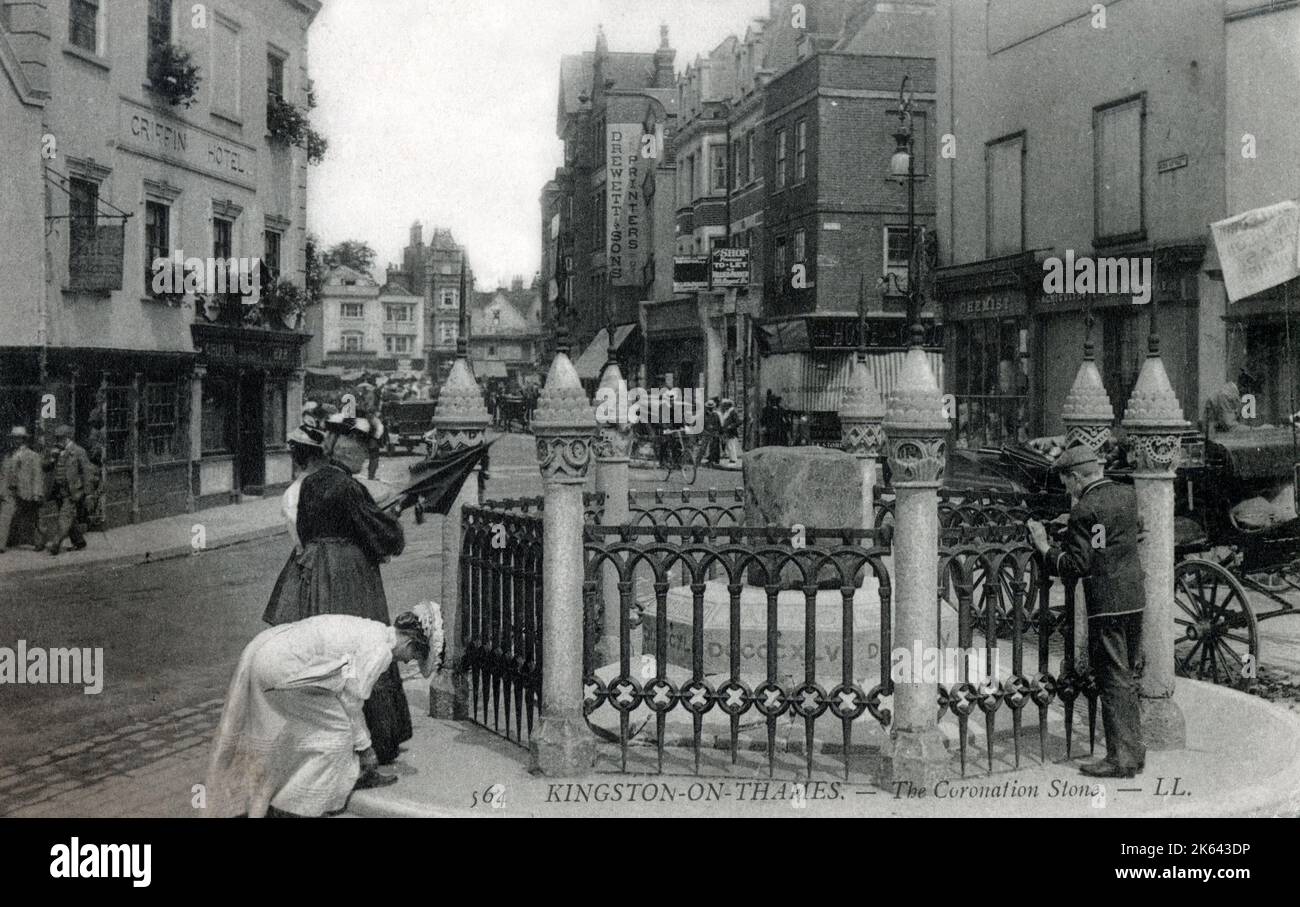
(815, 382)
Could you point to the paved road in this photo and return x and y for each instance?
(171, 633)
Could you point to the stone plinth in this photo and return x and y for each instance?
(791, 609)
(812, 486)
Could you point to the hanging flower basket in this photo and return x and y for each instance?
(287, 125)
(174, 75)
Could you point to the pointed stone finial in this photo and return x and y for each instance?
(916, 425)
(563, 425)
(615, 439)
(1087, 412)
(601, 45)
(461, 418)
(862, 413)
(1154, 418)
(663, 36)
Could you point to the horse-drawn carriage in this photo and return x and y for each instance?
(1236, 564)
(512, 410)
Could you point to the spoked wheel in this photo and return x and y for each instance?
(1218, 636)
(692, 451)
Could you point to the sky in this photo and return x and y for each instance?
(443, 111)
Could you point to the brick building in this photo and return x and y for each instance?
(835, 220)
(605, 97)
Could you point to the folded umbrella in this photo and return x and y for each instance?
(437, 480)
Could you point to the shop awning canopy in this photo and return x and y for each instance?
(594, 357)
(490, 368)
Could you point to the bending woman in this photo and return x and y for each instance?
(293, 738)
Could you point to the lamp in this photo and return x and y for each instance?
(901, 162)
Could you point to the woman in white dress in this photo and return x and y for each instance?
(293, 737)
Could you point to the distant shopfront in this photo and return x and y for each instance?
(246, 383)
(1013, 351)
(674, 342)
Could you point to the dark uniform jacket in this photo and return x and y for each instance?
(71, 472)
(1108, 565)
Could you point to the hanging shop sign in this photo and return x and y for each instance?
(690, 273)
(730, 268)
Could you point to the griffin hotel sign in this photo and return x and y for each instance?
(147, 132)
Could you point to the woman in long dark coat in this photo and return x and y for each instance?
(344, 538)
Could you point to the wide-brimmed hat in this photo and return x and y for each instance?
(63, 431)
(18, 431)
(307, 436)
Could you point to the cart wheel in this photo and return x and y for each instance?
(1218, 636)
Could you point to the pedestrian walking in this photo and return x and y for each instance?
(22, 489)
(712, 433)
(729, 425)
(294, 739)
(344, 537)
(1100, 546)
(70, 481)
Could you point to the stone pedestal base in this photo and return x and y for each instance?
(791, 612)
(1163, 727)
(449, 696)
(563, 746)
(918, 757)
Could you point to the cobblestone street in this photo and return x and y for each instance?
(172, 631)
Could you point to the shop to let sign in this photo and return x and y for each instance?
(1258, 249)
(730, 268)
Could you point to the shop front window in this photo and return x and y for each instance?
(117, 424)
(273, 418)
(991, 382)
(216, 416)
(160, 421)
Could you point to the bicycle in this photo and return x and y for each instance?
(680, 451)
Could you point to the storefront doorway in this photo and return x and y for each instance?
(251, 455)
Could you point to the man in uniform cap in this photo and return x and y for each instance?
(1100, 547)
(70, 482)
(22, 488)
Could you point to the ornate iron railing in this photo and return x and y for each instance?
(688, 507)
(991, 583)
(1002, 591)
(839, 558)
(501, 617)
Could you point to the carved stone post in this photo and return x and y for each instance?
(1154, 421)
(612, 448)
(862, 414)
(564, 427)
(459, 424)
(1088, 416)
(915, 431)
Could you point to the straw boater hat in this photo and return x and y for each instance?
(18, 431)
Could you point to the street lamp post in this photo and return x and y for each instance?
(903, 166)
